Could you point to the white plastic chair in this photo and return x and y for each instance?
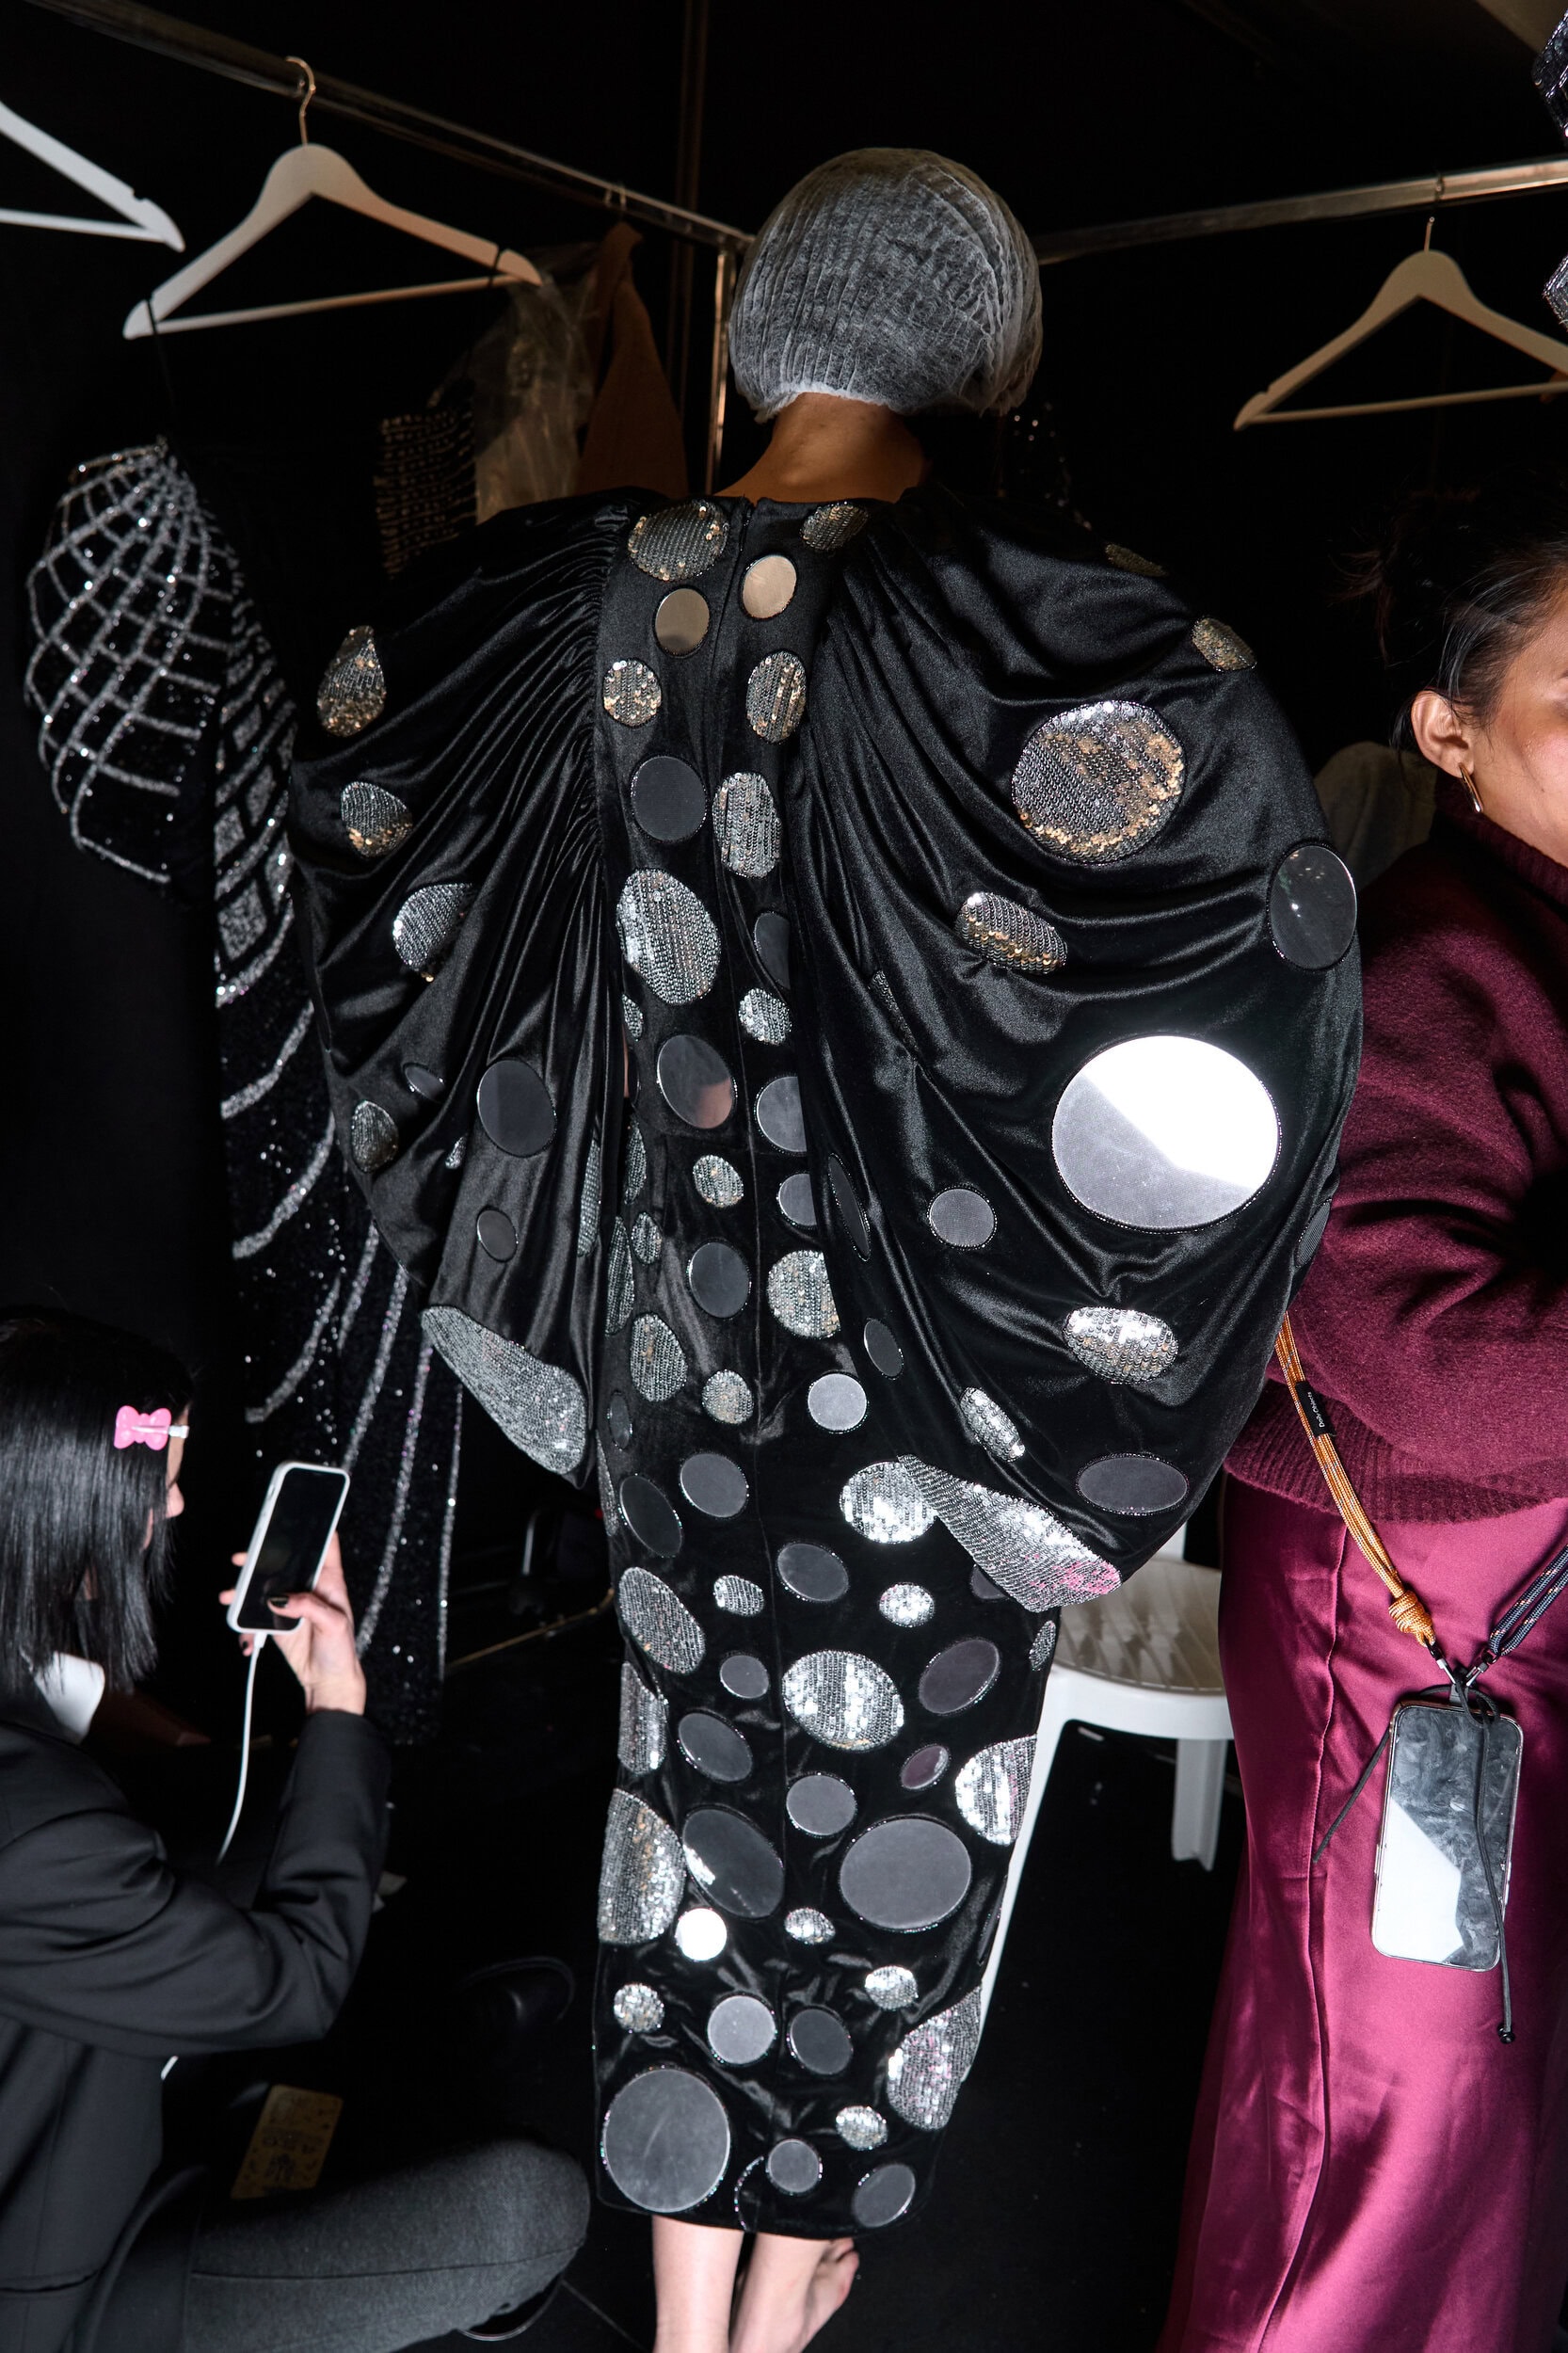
(1145, 1660)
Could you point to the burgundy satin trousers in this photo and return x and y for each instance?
(1372, 2171)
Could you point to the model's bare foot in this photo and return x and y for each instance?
(792, 2288)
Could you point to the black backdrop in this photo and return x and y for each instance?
(109, 1190)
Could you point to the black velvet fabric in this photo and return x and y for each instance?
(933, 642)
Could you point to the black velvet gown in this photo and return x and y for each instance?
(988, 1007)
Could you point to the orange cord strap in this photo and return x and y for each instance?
(1405, 1607)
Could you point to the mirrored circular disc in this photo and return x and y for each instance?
(819, 2040)
(883, 1350)
(667, 799)
(779, 1114)
(618, 1420)
(713, 1747)
(821, 1804)
(666, 2143)
(849, 1207)
(813, 1573)
(770, 936)
(882, 2195)
(498, 1237)
(962, 1218)
(702, 1934)
(515, 1109)
(908, 1872)
(797, 1203)
(959, 1675)
(419, 1080)
(925, 1767)
(714, 1485)
(1312, 907)
(733, 1863)
(695, 1080)
(741, 2029)
(793, 2167)
(1165, 1132)
(836, 1402)
(767, 587)
(649, 1515)
(680, 623)
(745, 1677)
(720, 1278)
(1137, 1484)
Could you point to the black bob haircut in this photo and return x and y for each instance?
(76, 1570)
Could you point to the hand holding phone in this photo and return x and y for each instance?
(291, 1587)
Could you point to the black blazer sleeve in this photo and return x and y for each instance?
(107, 1945)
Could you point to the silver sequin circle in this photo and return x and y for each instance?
(679, 543)
(589, 1207)
(765, 1017)
(426, 923)
(799, 1296)
(861, 2127)
(719, 1184)
(632, 1019)
(353, 690)
(641, 1876)
(992, 1790)
(1010, 935)
(540, 1406)
(776, 697)
(1221, 647)
(745, 825)
(1024, 1548)
(884, 1503)
(633, 1163)
(1098, 782)
(926, 2073)
(644, 1239)
(891, 1988)
(843, 1698)
(643, 1736)
(659, 1621)
(830, 528)
(985, 1420)
(375, 820)
(1128, 560)
(1043, 1644)
(638, 2008)
(631, 693)
(907, 1605)
(617, 1288)
(728, 1398)
(808, 1927)
(1120, 1343)
(658, 1359)
(372, 1137)
(667, 936)
(740, 1596)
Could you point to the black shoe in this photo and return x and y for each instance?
(501, 2326)
(499, 2014)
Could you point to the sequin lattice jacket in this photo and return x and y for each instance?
(844, 1016)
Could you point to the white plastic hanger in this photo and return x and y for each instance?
(1424, 277)
(300, 173)
(140, 218)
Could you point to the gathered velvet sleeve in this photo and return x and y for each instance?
(463, 954)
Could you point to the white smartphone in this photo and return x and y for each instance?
(289, 1542)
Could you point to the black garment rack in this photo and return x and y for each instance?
(237, 61)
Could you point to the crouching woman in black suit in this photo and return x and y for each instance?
(110, 1961)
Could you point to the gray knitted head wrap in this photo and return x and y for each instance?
(888, 275)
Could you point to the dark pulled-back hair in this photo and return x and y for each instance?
(76, 1570)
(1460, 581)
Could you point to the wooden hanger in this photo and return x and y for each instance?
(140, 218)
(300, 173)
(1424, 277)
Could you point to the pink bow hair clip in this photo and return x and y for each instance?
(153, 1430)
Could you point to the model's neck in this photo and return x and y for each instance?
(827, 448)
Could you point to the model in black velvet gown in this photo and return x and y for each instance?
(844, 1016)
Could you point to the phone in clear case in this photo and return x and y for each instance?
(1441, 1887)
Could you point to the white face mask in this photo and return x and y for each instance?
(73, 1688)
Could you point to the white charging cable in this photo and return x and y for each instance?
(258, 1644)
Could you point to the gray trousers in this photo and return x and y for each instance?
(388, 2262)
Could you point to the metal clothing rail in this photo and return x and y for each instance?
(214, 53)
(1389, 196)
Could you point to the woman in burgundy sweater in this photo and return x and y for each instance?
(1372, 2166)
